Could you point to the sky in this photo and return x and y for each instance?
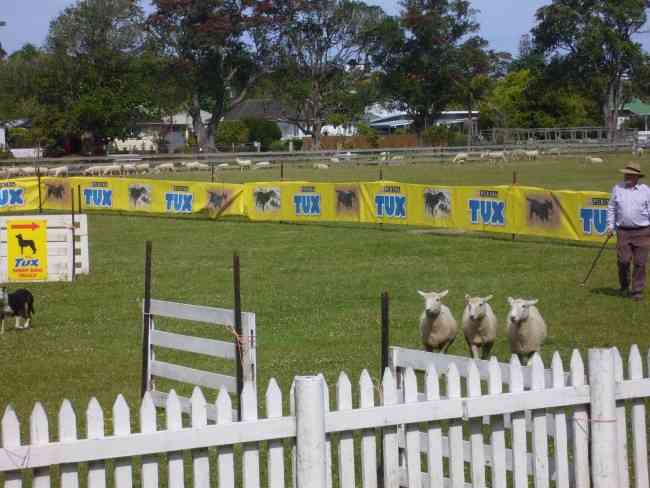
(502, 21)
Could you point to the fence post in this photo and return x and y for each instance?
(604, 467)
(74, 236)
(146, 321)
(385, 332)
(40, 198)
(239, 367)
(310, 433)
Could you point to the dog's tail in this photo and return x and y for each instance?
(30, 306)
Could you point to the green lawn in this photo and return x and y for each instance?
(315, 289)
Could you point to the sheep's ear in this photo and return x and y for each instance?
(422, 293)
(443, 293)
(467, 297)
(532, 302)
(488, 298)
(510, 300)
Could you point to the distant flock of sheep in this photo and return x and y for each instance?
(125, 169)
(526, 328)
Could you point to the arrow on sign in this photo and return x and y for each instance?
(32, 226)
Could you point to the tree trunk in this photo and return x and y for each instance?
(470, 125)
(204, 133)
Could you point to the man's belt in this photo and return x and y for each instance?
(622, 227)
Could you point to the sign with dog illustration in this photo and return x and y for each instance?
(27, 250)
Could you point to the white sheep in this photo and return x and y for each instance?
(164, 167)
(438, 327)
(28, 171)
(459, 158)
(223, 165)
(479, 326)
(638, 152)
(128, 169)
(531, 155)
(526, 328)
(263, 165)
(142, 167)
(111, 169)
(320, 166)
(519, 154)
(593, 160)
(244, 163)
(496, 157)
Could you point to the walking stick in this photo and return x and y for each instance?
(593, 265)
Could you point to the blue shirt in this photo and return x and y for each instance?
(629, 207)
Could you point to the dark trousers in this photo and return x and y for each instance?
(632, 250)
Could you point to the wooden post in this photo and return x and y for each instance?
(40, 199)
(79, 199)
(74, 236)
(212, 172)
(385, 332)
(514, 182)
(282, 171)
(604, 464)
(238, 329)
(146, 321)
(310, 433)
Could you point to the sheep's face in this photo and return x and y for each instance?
(476, 306)
(432, 302)
(519, 309)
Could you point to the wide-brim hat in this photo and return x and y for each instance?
(632, 168)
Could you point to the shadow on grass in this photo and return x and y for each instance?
(611, 292)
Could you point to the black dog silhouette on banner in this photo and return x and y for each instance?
(23, 243)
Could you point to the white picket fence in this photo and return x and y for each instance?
(311, 430)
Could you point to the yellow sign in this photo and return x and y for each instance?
(27, 250)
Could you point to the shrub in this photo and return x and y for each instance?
(232, 132)
(265, 132)
(371, 135)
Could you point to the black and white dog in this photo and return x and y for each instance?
(19, 304)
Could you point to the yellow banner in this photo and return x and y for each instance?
(27, 250)
(20, 194)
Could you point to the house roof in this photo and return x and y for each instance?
(637, 107)
(16, 123)
(258, 108)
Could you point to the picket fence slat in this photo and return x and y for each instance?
(435, 472)
(200, 459)
(95, 430)
(193, 376)
(519, 444)
(250, 451)
(122, 427)
(38, 436)
(292, 442)
(497, 438)
(579, 427)
(540, 439)
(455, 432)
(639, 434)
(390, 447)
(198, 345)
(148, 424)
(412, 433)
(174, 420)
(346, 442)
(10, 441)
(275, 466)
(621, 425)
(368, 441)
(477, 462)
(68, 432)
(560, 442)
(226, 454)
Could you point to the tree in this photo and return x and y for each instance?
(91, 74)
(417, 54)
(3, 53)
(593, 43)
(216, 49)
(322, 72)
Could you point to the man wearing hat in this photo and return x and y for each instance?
(628, 214)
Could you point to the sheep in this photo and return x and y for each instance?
(128, 169)
(526, 328)
(244, 163)
(12, 172)
(637, 152)
(438, 327)
(593, 160)
(164, 167)
(554, 151)
(60, 171)
(321, 166)
(111, 169)
(335, 160)
(223, 165)
(263, 164)
(142, 167)
(479, 326)
(531, 155)
(460, 158)
(519, 154)
(28, 171)
(495, 157)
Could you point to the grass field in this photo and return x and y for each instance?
(315, 289)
